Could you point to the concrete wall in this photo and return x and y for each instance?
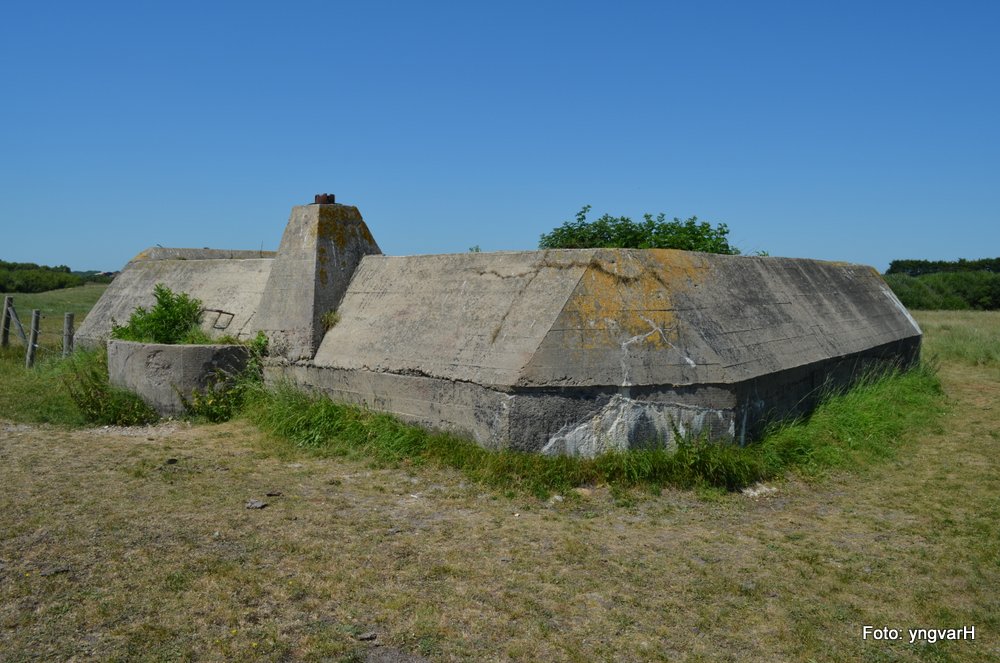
(589, 420)
(161, 374)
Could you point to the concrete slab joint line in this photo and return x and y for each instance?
(556, 351)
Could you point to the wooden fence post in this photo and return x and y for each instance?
(29, 357)
(67, 334)
(8, 301)
(17, 322)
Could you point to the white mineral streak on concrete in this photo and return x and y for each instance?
(663, 335)
(611, 428)
(500, 416)
(899, 305)
(635, 339)
(624, 356)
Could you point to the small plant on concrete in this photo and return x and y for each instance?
(226, 394)
(330, 319)
(173, 319)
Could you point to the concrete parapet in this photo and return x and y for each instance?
(160, 374)
(607, 317)
(166, 253)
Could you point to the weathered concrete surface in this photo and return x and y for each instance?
(161, 373)
(607, 317)
(232, 286)
(582, 351)
(165, 253)
(320, 249)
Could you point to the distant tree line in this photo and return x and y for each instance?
(29, 277)
(921, 267)
(946, 284)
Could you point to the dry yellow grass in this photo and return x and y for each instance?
(111, 551)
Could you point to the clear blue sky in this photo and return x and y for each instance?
(859, 131)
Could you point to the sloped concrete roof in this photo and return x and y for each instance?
(606, 317)
(229, 281)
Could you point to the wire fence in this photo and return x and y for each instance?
(37, 342)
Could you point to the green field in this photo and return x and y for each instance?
(135, 544)
(53, 305)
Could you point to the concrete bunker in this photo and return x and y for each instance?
(558, 351)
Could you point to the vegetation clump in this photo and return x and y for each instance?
(650, 233)
(28, 277)
(227, 394)
(330, 319)
(86, 381)
(173, 319)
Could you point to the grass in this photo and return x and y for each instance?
(867, 423)
(966, 337)
(135, 544)
(53, 305)
(36, 396)
(39, 395)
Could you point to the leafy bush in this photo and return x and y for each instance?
(651, 233)
(173, 319)
(100, 402)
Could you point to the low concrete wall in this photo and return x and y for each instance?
(160, 373)
(586, 421)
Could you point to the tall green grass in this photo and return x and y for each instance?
(35, 395)
(965, 337)
(66, 392)
(85, 379)
(866, 423)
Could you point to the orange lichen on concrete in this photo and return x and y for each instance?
(340, 223)
(628, 295)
